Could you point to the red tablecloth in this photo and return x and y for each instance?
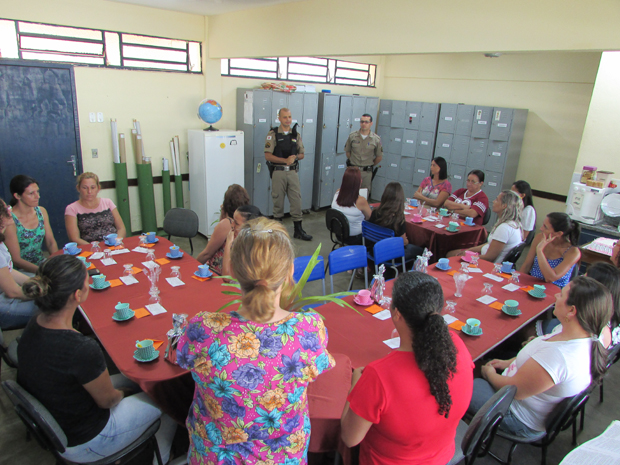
(439, 240)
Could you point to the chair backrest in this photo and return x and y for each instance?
(530, 237)
(481, 430)
(347, 258)
(338, 226)
(300, 264)
(613, 355)
(515, 253)
(374, 232)
(388, 249)
(181, 222)
(36, 417)
(564, 414)
(487, 216)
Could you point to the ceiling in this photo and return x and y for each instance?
(205, 7)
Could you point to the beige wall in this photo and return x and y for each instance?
(164, 103)
(600, 145)
(361, 27)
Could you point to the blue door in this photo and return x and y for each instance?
(39, 134)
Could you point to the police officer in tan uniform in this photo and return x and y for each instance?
(364, 150)
(283, 150)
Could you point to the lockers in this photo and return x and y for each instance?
(429, 114)
(345, 122)
(413, 112)
(391, 164)
(396, 141)
(443, 146)
(421, 170)
(464, 118)
(460, 149)
(482, 122)
(477, 154)
(426, 142)
(398, 113)
(410, 141)
(385, 113)
(500, 125)
(458, 176)
(447, 118)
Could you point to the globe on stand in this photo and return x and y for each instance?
(210, 112)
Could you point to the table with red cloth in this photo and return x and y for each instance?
(439, 240)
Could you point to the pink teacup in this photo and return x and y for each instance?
(469, 254)
(417, 217)
(363, 296)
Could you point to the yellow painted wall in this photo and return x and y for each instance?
(600, 145)
(368, 27)
(164, 103)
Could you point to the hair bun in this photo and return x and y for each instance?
(36, 287)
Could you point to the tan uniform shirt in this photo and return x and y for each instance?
(270, 142)
(363, 151)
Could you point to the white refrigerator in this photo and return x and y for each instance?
(215, 162)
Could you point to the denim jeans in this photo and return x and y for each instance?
(483, 391)
(15, 313)
(128, 420)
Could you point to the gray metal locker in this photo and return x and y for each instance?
(384, 133)
(372, 108)
(443, 146)
(378, 186)
(458, 176)
(385, 113)
(410, 141)
(261, 191)
(430, 112)
(409, 190)
(278, 100)
(496, 156)
(344, 121)
(340, 165)
(492, 186)
(447, 118)
(328, 119)
(421, 170)
(396, 141)
(398, 113)
(460, 150)
(296, 105)
(306, 180)
(326, 180)
(500, 125)
(393, 166)
(262, 121)
(426, 142)
(477, 154)
(405, 176)
(358, 109)
(464, 118)
(413, 114)
(482, 122)
(308, 128)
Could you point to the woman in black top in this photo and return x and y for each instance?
(391, 214)
(67, 373)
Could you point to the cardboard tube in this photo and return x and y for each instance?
(121, 148)
(138, 150)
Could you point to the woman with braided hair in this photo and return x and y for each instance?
(404, 408)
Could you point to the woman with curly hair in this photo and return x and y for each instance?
(404, 408)
(213, 254)
(252, 367)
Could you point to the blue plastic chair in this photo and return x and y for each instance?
(375, 233)
(348, 258)
(388, 250)
(318, 272)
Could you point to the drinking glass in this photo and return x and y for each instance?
(474, 259)
(175, 272)
(432, 211)
(455, 216)
(515, 277)
(497, 268)
(487, 289)
(119, 242)
(154, 293)
(142, 240)
(150, 255)
(459, 280)
(394, 334)
(128, 269)
(464, 267)
(450, 306)
(107, 253)
(94, 247)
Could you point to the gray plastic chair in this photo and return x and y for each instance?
(181, 222)
(51, 437)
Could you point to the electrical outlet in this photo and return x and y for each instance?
(95, 153)
(92, 118)
(100, 117)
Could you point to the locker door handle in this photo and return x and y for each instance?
(324, 126)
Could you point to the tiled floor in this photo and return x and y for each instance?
(14, 449)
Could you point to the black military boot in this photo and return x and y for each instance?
(300, 233)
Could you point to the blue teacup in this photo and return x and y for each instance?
(150, 237)
(469, 221)
(203, 270)
(110, 239)
(443, 263)
(175, 251)
(413, 202)
(506, 267)
(71, 248)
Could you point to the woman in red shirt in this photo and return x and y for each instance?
(404, 408)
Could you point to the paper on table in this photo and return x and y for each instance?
(96, 256)
(449, 318)
(85, 254)
(136, 270)
(149, 264)
(141, 312)
(197, 278)
(115, 282)
(393, 343)
(108, 261)
(119, 251)
(373, 309)
(456, 325)
(474, 270)
(383, 315)
(141, 250)
(511, 287)
(156, 343)
(162, 261)
(493, 277)
(156, 309)
(430, 218)
(174, 282)
(439, 225)
(497, 305)
(486, 299)
(128, 280)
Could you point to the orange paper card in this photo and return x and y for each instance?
(527, 288)
(117, 247)
(156, 343)
(456, 325)
(200, 279)
(148, 245)
(85, 254)
(373, 309)
(162, 261)
(91, 267)
(135, 270)
(115, 282)
(496, 305)
(505, 275)
(451, 273)
(141, 312)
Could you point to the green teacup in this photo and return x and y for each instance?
(122, 311)
(145, 349)
(99, 280)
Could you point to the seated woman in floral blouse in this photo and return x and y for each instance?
(252, 367)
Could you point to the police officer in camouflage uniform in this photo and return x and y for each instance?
(364, 150)
(283, 150)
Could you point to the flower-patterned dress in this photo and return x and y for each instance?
(31, 240)
(250, 404)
